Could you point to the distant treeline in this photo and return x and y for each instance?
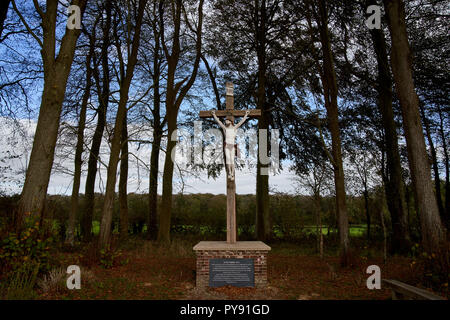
(293, 216)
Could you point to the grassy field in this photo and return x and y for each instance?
(354, 230)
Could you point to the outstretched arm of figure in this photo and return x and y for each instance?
(218, 120)
(240, 123)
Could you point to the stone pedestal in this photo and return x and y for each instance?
(256, 250)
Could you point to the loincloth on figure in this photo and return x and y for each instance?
(230, 147)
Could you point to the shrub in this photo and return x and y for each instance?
(432, 267)
(19, 285)
(54, 281)
(110, 258)
(25, 246)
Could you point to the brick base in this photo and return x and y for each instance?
(241, 250)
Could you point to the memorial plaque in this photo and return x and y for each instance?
(231, 272)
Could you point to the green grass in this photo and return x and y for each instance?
(354, 230)
(96, 227)
(357, 231)
(21, 282)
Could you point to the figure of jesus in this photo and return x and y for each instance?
(229, 132)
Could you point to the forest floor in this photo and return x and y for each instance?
(144, 270)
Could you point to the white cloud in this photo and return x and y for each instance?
(61, 179)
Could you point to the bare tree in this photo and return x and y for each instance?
(364, 167)
(101, 72)
(158, 121)
(3, 13)
(127, 67)
(123, 181)
(176, 91)
(79, 149)
(317, 182)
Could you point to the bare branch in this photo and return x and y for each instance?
(26, 24)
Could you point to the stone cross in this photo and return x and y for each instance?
(230, 113)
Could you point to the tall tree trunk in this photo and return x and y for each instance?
(401, 62)
(366, 207)
(3, 13)
(175, 93)
(103, 92)
(447, 170)
(383, 226)
(171, 116)
(123, 180)
(434, 161)
(166, 208)
(153, 188)
(152, 229)
(263, 228)
(89, 198)
(330, 92)
(394, 185)
(56, 73)
(408, 208)
(105, 226)
(79, 152)
(318, 207)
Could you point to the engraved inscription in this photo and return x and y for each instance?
(232, 272)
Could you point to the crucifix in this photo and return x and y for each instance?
(229, 132)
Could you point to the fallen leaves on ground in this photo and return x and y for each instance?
(152, 275)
